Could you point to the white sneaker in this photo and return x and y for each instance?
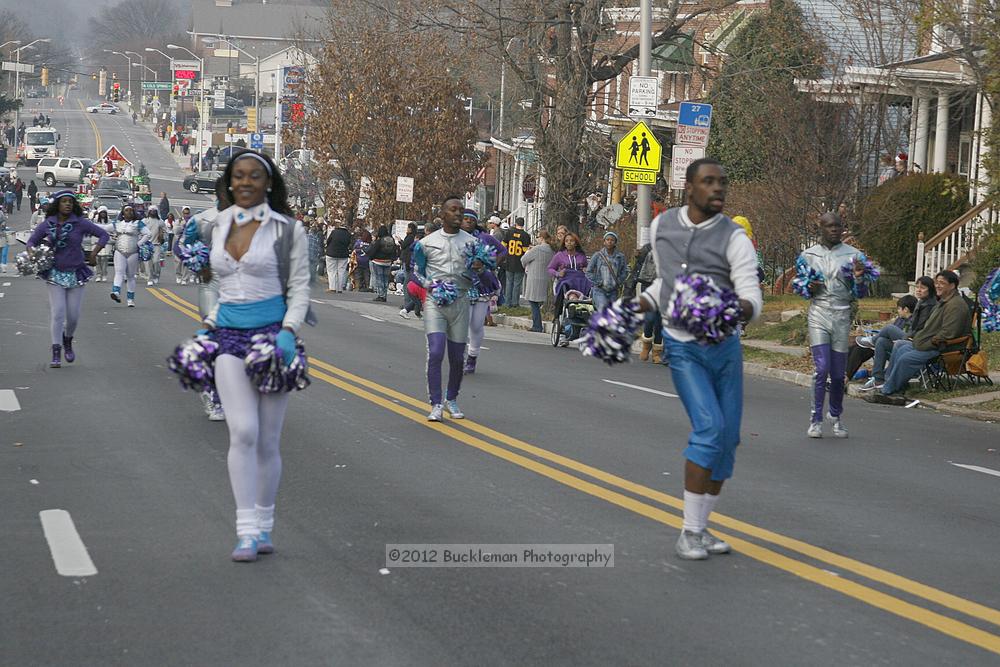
(149, 283)
(131, 303)
(815, 430)
(865, 341)
(713, 544)
(838, 427)
(178, 280)
(689, 546)
(216, 414)
(402, 313)
(206, 402)
(436, 414)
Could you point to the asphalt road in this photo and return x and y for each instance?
(871, 550)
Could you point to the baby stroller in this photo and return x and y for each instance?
(572, 319)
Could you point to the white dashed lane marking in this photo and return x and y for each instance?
(68, 551)
(8, 401)
(645, 389)
(988, 471)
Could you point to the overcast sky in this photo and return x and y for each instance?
(64, 20)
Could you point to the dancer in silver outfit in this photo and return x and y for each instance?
(829, 320)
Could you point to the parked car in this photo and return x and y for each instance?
(112, 185)
(203, 180)
(54, 170)
(113, 203)
(103, 107)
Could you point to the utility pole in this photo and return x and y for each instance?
(643, 200)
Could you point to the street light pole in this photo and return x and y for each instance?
(643, 198)
(202, 116)
(17, 82)
(13, 41)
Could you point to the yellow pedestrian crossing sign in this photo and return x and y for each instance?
(639, 150)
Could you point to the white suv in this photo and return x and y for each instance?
(54, 170)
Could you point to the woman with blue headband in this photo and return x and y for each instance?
(63, 230)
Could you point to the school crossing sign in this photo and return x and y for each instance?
(638, 155)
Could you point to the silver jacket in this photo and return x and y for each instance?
(444, 256)
(128, 235)
(836, 293)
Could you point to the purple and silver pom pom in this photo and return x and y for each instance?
(267, 370)
(442, 292)
(145, 251)
(610, 334)
(485, 253)
(871, 272)
(194, 363)
(35, 260)
(989, 302)
(804, 275)
(194, 256)
(703, 309)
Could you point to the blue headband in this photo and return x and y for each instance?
(256, 156)
(469, 213)
(62, 193)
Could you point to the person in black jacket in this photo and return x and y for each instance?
(338, 253)
(381, 254)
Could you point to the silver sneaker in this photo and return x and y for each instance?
(689, 546)
(865, 341)
(871, 385)
(436, 414)
(454, 411)
(404, 314)
(206, 402)
(815, 430)
(838, 427)
(217, 414)
(713, 544)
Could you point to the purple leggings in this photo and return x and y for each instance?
(437, 342)
(829, 365)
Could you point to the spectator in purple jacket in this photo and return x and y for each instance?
(567, 268)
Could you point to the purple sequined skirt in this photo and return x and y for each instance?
(67, 279)
(237, 342)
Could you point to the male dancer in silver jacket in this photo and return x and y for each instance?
(829, 320)
(441, 256)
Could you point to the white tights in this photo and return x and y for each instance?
(254, 422)
(125, 269)
(64, 304)
(477, 325)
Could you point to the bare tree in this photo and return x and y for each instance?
(385, 103)
(135, 20)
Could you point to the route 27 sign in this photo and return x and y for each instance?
(694, 122)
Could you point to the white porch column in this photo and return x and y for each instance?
(985, 123)
(911, 144)
(919, 156)
(941, 133)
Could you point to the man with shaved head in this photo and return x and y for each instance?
(830, 308)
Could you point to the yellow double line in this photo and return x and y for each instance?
(467, 431)
(93, 125)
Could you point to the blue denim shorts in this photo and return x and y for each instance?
(709, 380)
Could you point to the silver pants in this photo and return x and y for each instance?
(828, 326)
(451, 320)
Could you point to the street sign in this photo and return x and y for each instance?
(404, 189)
(183, 87)
(219, 98)
(643, 96)
(639, 150)
(11, 66)
(256, 141)
(639, 177)
(252, 119)
(156, 85)
(681, 158)
(694, 122)
(156, 105)
(185, 64)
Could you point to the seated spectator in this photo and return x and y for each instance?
(882, 344)
(950, 318)
(862, 348)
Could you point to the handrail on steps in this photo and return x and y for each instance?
(959, 223)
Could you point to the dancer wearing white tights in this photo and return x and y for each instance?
(128, 234)
(63, 230)
(485, 286)
(260, 265)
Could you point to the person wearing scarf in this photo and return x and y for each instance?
(63, 229)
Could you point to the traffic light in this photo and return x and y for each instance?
(116, 91)
(45, 76)
(175, 91)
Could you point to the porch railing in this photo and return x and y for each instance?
(950, 247)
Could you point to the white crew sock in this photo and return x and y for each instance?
(246, 523)
(265, 518)
(707, 507)
(694, 514)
